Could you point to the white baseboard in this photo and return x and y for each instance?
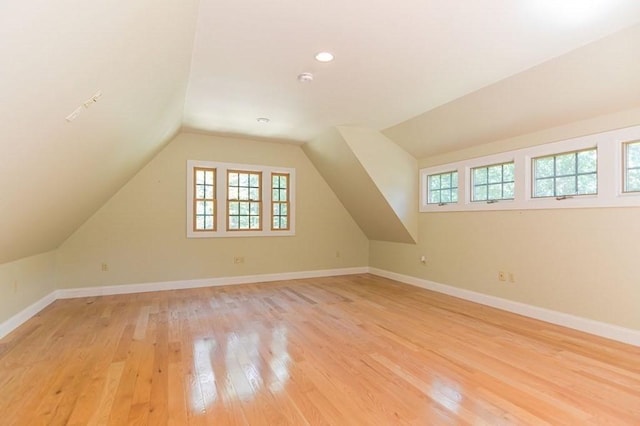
(598, 328)
(21, 317)
(69, 293)
(609, 331)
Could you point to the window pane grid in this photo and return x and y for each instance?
(204, 201)
(632, 166)
(244, 203)
(442, 188)
(566, 174)
(280, 201)
(494, 182)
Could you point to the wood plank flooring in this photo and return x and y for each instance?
(350, 350)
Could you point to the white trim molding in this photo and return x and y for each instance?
(221, 200)
(609, 146)
(609, 331)
(23, 316)
(27, 313)
(71, 293)
(602, 329)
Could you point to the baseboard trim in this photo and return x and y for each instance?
(609, 331)
(70, 293)
(27, 313)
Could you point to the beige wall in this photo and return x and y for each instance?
(24, 282)
(140, 232)
(579, 261)
(392, 169)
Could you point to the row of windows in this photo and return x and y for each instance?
(561, 175)
(224, 199)
(562, 170)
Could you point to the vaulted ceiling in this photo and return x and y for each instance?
(216, 66)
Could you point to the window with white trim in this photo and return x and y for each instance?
(232, 200)
(443, 188)
(493, 183)
(566, 174)
(632, 166)
(598, 170)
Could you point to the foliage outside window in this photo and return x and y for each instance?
(280, 201)
(632, 167)
(243, 200)
(567, 174)
(443, 188)
(239, 200)
(204, 199)
(495, 182)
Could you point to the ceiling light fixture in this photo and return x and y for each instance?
(262, 120)
(305, 77)
(324, 57)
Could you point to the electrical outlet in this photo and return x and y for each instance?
(104, 267)
(512, 277)
(238, 260)
(502, 276)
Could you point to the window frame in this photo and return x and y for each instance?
(473, 185)
(440, 189)
(221, 196)
(555, 176)
(625, 168)
(248, 200)
(610, 175)
(213, 200)
(279, 202)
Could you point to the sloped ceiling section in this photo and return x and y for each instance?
(601, 77)
(56, 55)
(374, 179)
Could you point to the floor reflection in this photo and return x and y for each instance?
(203, 388)
(279, 362)
(240, 367)
(446, 394)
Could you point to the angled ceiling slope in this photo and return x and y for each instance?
(373, 178)
(393, 60)
(599, 78)
(54, 174)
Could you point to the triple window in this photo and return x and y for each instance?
(229, 200)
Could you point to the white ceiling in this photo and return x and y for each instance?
(393, 60)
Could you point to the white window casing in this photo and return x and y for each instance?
(610, 174)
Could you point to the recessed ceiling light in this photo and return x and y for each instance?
(305, 77)
(262, 120)
(324, 57)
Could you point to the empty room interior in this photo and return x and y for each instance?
(331, 213)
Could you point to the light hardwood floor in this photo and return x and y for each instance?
(359, 350)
